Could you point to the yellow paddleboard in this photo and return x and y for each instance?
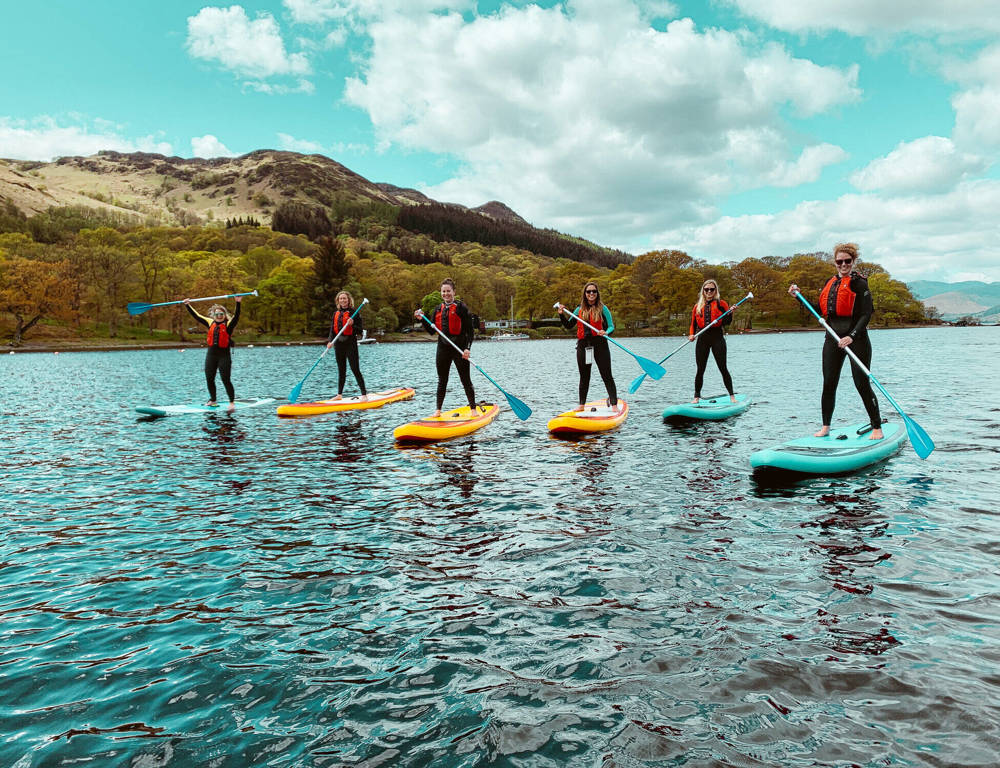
(453, 423)
(595, 417)
(375, 400)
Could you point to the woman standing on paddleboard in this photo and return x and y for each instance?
(346, 347)
(591, 346)
(218, 358)
(710, 307)
(453, 319)
(846, 304)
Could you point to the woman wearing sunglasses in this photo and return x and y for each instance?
(710, 307)
(218, 358)
(592, 346)
(846, 304)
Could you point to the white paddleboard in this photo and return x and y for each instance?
(223, 407)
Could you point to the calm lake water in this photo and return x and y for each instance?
(231, 590)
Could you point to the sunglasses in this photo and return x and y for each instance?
(590, 290)
(709, 290)
(842, 262)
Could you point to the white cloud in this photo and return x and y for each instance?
(44, 138)
(929, 164)
(250, 48)
(291, 144)
(584, 108)
(208, 146)
(914, 237)
(977, 107)
(356, 12)
(864, 17)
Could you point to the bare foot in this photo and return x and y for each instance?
(436, 414)
(232, 406)
(338, 397)
(695, 401)
(212, 404)
(579, 407)
(364, 398)
(823, 431)
(732, 398)
(876, 434)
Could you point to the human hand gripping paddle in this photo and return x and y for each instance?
(138, 307)
(637, 382)
(520, 408)
(919, 439)
(652, 369)
(297, 389)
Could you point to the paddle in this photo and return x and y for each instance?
(919, 439)
(138, 307)
(297, 389)
(651, 368)
(520, 409)
(637, 382)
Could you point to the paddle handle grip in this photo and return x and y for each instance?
(718, 319)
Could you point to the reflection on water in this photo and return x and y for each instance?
(235, 589)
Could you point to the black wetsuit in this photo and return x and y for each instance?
(855, 326)
(602, 355)
(713, 340)
(346, 351)
(447, 354)
(217, 358)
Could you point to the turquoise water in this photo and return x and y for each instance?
(232, 590)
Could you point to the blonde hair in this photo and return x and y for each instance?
(700, 306)
(851, 249)
(350, 300)
(595, 313)
(211, 311)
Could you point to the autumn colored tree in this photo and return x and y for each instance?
(754, 276)
(31, 290)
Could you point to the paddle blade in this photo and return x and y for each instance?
(652, 369)
(919, 439)
(293, 396)
(137, 307)
(636, 383)
(520, 409)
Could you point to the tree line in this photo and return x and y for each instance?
(78, 268)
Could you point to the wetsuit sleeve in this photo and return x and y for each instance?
(200, 318)
(332, 333)
(725, 308)
(694, 312)
(864, 307)
(567, 321)
(464, 339)
(231, 325)
(359, 325)
(609, 323)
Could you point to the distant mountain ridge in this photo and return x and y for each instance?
(954, 300)
(156, 190)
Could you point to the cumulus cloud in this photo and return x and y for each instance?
(914, 236)
(585, 117)
(929, 164)
(358, 11)
(292, 144)
(46, 138)
(250, 48)
(977, 106)
(209, 146)
(887, 17)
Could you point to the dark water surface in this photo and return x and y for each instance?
(232, 590)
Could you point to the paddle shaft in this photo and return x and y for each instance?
(143, 307)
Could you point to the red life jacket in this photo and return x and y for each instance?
(340, 318)
(218, 335)
(837, 298)
(581, 330)
(454, 321)
(713, 310)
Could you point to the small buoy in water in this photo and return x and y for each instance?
(249, 346)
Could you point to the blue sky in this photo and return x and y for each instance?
(726, 128)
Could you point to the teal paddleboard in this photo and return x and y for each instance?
(843, 450)
(713, 408)
(177, 410)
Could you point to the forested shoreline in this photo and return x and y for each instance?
(69, 273)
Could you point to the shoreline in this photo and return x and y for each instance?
(66, 345)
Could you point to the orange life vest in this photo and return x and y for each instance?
(837, 298)
(454, 321)
(713, 310)
(581, 330)
(218, 335)
(340, 318)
